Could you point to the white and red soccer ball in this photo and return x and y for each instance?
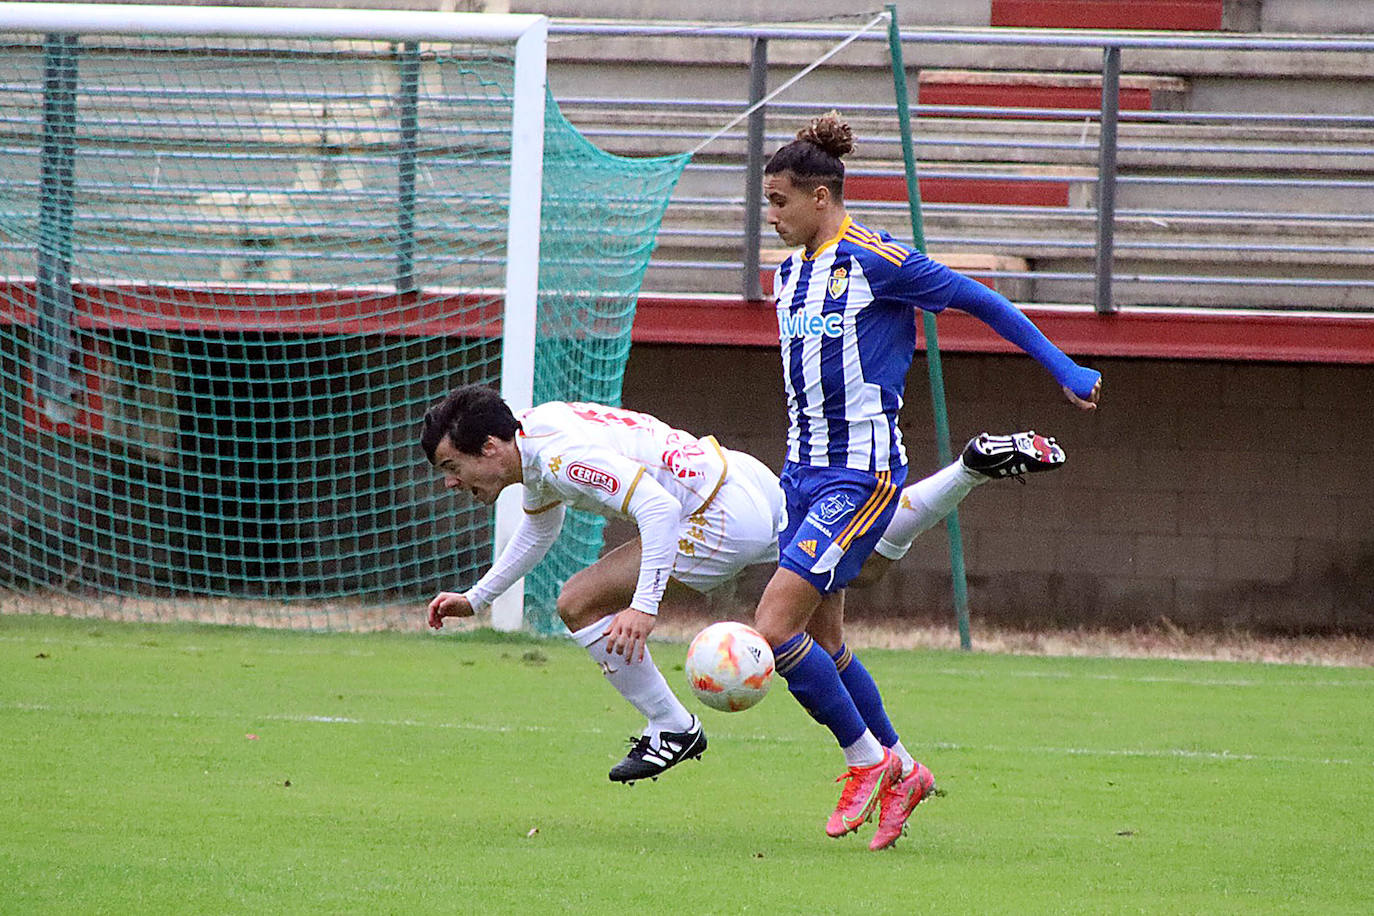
(729, 666)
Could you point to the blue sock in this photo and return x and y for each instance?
(812, 678)
(864, 692)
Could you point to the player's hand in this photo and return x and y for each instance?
(1089, 403)
(628, 634)
(448, 604)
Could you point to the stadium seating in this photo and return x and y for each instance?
(1188, 189)
(1007, 144)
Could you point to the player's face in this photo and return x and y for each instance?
(484, 475)
(794, 213)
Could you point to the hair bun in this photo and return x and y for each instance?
(829, 133)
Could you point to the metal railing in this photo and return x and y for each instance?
(1232, 208)
(1266, 209)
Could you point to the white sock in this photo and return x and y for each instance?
(865, 752)
(908, 761)
(641, 683)
(924, 504)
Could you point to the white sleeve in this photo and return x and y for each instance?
(657, 515)
(532, 539)
(620, 486)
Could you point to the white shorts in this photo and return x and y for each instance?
(738, 528)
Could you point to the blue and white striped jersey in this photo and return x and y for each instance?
(846, 322)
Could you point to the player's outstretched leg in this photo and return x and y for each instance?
(650, 755)
(898, 801)
(1012, 455)
(925, 503)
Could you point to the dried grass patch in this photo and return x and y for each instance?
(677, 626)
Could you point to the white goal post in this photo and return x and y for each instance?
(529, 35)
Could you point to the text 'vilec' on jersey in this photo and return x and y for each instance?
(847, 326)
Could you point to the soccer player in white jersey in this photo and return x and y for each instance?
(846, 305)
(704, 513)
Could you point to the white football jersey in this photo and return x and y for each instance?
(592, 457)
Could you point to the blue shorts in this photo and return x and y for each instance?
(835, 516)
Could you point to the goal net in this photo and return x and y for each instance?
(240, 253)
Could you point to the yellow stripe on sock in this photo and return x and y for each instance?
(789, 659)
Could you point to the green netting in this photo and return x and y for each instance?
(234, 276)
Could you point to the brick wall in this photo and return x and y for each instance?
(1211, 495)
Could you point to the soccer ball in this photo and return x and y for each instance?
(729, 666)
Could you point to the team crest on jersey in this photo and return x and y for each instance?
(833, 508)
(839, 281)
(589, 476)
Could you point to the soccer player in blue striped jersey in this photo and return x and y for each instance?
(846, 304)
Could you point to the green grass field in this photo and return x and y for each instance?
(409, 773)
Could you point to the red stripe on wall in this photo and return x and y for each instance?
(1155, 333)
(1190, 15)
(713, 320)
(1029, 193)
(999, 96)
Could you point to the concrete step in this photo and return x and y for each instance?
(1320, 17)
(1031, 192)
(643, 128)
(712, 225)
(1266, 284)
(1168, 286)
(1141, 144)
(708, 233)
(1062, 233)
(909, 12)
(1335, 192)
(862, 71)
(1266, 289)
(1005, 184)
(963, 261)
(1041, 89)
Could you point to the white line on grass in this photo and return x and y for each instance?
(152, 643)
(1177, 752)
(1152, 679)
(1365, 683)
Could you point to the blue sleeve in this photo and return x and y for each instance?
(994, 310)
(919, 282)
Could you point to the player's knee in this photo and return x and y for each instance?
(778, 625)
(573, 607)
(775, 631)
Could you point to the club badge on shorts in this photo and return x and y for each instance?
(833, 508)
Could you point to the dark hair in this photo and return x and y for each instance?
(814, 157)
(467, 416)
